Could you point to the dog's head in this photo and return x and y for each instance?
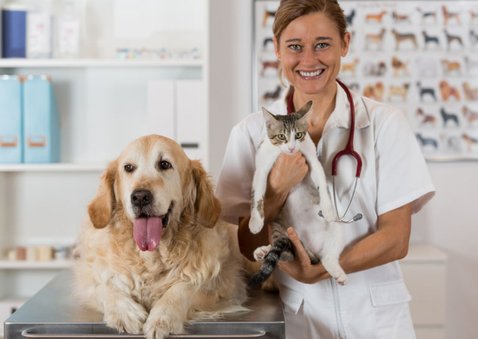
(155, 186)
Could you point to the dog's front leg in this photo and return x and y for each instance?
(120, 311)
(169, 313)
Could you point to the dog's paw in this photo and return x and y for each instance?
(255, 223)
(129, 318)
(162, 322)
(261, 252)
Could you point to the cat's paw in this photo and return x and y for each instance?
(256, 223)
(328, 214)
(341, 279)
(261, 252)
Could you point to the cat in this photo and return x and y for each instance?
(308, 207)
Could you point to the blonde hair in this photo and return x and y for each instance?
(289, 10)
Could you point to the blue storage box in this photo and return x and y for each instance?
(13, 31)
(10, 119)
(41, 130)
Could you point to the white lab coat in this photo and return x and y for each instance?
(374, 303)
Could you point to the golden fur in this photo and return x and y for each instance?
(195, 271)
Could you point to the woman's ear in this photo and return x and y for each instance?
(206, 205)
(276, 48)
(101, 207)
(346, 44)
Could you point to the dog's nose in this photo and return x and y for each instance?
(141, 197)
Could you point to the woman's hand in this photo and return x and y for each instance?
(288, 171)
(300, 268)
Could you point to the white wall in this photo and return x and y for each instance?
(449, 221)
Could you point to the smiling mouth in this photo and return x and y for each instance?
(311, 74)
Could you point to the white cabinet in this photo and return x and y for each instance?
(104, 103)
(424, 270)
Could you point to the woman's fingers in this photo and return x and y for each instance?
(301, 254)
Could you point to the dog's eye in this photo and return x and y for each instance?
(129, 168)
(164, 165)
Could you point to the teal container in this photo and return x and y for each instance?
(41, 132)
(11, 125)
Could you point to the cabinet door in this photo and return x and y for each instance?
(160, 111)
(192, 121)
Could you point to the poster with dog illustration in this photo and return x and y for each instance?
(421, 56)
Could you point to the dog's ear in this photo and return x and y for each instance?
(101, 207)
(207, 207)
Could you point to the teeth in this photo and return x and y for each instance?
(310, 74)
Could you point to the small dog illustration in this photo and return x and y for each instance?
(427, 16)
(375, 17)
(470, 141)
(350, 17)
(473, 17)
(374, 91)
(350, 67)
(266, 42)
(404, 38)
(430, 39)
(470, 116)
(426, 141)
(448, 116)
(401, 18)
(268, 14)
(452, 38)
(272, 95)
(398, 91)
(451, 67)
(375, 39)
(274, 64)
(399, 67)
(426, 118)
(447, 91)
(447, 16)
(375, 69)
(473, 37)
(471, 93)
(426, 92)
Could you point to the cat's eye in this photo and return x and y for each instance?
(281, 137)
(164, 165)
(129, 168)
(299, 135)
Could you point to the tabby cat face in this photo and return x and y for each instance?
(287, 131)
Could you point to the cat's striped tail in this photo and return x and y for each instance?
(280, 247)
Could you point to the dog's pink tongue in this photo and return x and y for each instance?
(147, 233)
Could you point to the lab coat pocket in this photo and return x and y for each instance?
(392, 314)
(291, 299)
(389, 293)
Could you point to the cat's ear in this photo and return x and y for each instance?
(304, 109)
(268, 117)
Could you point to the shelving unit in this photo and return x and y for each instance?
(104, 103)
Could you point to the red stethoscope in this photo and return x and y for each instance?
(348, 150)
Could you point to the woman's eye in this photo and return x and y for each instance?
(164, 165)
(321, 45)
(129, 168)
(295, 47)
(299, 135)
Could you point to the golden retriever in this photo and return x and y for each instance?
(154, 254)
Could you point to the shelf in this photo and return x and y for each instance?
(34, 265)
(56, 167)
(64, 63)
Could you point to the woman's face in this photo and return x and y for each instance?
(310, 50)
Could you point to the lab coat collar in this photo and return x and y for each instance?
(340, 117)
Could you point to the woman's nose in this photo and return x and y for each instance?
(309, 57)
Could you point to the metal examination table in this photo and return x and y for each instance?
(54, 313)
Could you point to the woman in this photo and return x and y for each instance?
(310, 39)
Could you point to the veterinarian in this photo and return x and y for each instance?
(310, 39)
